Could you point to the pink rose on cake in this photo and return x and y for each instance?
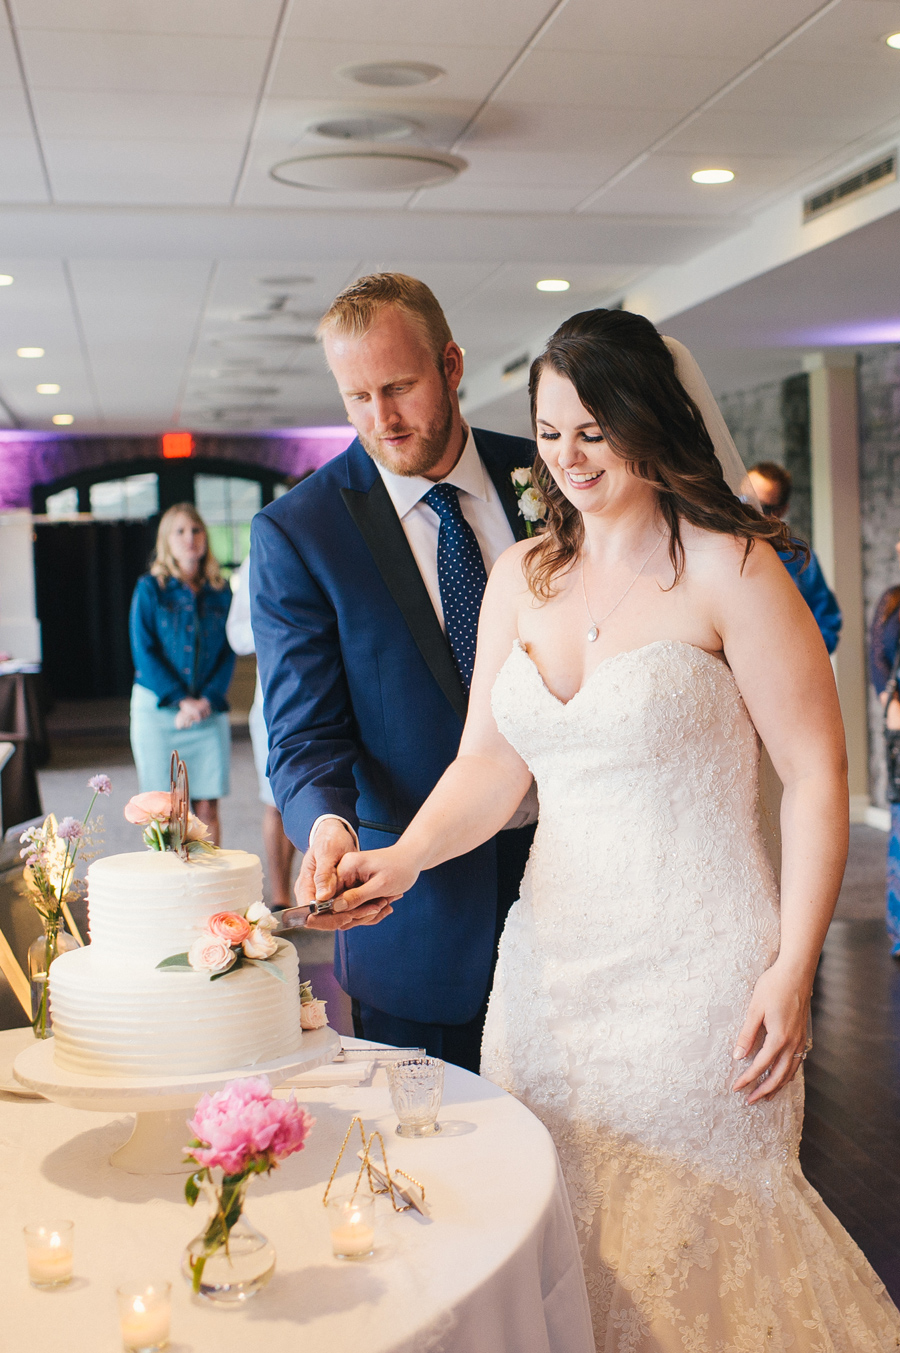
(155, 806)
(312, 1012)
(211, 954)
(229, 926)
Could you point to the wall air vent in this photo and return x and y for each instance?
(513, 369)
(863, 181)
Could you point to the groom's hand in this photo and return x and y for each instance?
(318, 879)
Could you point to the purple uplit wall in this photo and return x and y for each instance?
(30, 458)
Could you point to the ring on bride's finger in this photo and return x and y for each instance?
(797, 1056)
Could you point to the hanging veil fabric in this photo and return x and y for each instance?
(692, 378)
(694, 381)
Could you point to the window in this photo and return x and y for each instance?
(228, 505)
(134, 497)
(62, 504)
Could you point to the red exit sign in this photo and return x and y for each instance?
(177, 445)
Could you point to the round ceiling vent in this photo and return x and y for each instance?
(366, 127)
(369, 171)
(393, 74)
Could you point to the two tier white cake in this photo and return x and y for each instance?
(115, 1014)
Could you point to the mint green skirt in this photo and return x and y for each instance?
(205, 748)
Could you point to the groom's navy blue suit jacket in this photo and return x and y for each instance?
(364, 710)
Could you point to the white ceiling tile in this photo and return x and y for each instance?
(664, 183)
(94, 114)
(463, 195)
(156, 159)
(562, 128)
(140, 189)
(21, 179)
(647, 28)
(427, 22)
(143, 62)
(596, 80)
(839, 89)
(239, 18)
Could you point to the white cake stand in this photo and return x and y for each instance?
(156, 1145)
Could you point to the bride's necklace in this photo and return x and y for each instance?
(593, 633)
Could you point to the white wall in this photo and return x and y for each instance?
(20, 631)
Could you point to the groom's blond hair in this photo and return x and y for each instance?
(354, 310)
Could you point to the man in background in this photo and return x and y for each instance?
(772, 483)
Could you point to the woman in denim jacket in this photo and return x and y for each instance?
(182, 665)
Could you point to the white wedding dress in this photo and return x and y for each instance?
(648, 910)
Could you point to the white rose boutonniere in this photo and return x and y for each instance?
(531, 504)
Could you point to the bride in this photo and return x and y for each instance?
(652, 992)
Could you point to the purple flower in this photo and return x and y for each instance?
(70, 829)
(100, 784)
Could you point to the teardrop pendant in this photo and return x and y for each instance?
(593, 634)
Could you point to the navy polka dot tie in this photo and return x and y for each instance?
(462, 577)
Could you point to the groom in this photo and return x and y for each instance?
(366, 584)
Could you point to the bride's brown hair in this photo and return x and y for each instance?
(624, 376)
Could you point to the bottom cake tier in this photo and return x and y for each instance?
(113, 1019)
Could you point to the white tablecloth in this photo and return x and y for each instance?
(495, 1270)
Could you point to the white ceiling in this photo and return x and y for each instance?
(144, 232)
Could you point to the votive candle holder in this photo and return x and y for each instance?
(352, 1223)
(145, 1316)
(49, 1249)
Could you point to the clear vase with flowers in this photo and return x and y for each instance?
(51, 852)
(242, 1130)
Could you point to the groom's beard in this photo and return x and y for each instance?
(423, 451)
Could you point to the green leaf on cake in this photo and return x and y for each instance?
(177, 961)
(267, 966)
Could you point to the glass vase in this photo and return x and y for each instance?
(228, 1264)
(54, 941)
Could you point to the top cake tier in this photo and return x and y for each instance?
(145, 906)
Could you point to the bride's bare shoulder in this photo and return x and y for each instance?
(510, 570)
(723, 561)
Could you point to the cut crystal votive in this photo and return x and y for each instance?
(417, 1085)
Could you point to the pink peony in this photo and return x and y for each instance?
(243, 1123)
(155, 806)
(312, 1015)
(229, 926)
(210, 953)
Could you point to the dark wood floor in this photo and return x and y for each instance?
(851, 1138)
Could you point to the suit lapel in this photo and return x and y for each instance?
(381, 529)
(500, 472)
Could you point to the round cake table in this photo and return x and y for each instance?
(494, 1269)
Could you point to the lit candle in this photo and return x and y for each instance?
(48, 1247)
(352, 1226)
(145, 1314)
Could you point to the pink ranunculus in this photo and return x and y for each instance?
(210, 953)
(229, 926)
(155, 806)
(244, 1122)
(312, 1015)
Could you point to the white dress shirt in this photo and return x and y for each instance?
(481, 507)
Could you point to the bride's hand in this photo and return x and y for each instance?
(779, 1006)
(373, 876)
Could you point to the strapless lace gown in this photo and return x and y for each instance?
(648, 911)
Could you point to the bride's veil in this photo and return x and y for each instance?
(693, 380)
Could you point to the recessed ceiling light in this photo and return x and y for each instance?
(392, 74)
(553, 284)
(893, 40)
(712, 176)
(369, 171)
(369, 127)
(63, 419)
(5, 279)
(47, 389)
(29, 352)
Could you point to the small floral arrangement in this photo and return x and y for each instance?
(51, 852)
(154, 812)
(312, 1012)
(242, 1130)
(531, 505)
(229, 941)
